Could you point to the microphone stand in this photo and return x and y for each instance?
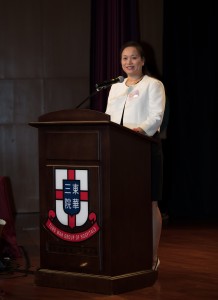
(101, 86)
(90, 96)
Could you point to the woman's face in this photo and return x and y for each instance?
(132, 62)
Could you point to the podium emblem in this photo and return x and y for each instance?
(72, 206)
(71, 189)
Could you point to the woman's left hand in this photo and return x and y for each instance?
(139, 130)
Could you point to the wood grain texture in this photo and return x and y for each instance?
(188, 268)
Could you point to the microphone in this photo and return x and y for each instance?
(106, 84)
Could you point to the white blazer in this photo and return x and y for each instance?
(144, 104)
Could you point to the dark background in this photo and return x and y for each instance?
(52, 52)
(190, 75)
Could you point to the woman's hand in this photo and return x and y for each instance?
(139, 130)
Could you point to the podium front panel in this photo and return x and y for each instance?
(70, 234)
(72, 145)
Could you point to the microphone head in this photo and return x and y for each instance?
(121, 78)
(106, 84)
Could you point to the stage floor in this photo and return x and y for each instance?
(188, 270)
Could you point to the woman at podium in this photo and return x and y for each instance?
(138, 102)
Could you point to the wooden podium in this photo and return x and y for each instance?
(95, 204)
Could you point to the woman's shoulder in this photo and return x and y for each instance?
(152, 80)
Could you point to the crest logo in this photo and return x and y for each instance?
(72, 206)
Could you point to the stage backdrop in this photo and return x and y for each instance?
(190, 77)
(112, 24)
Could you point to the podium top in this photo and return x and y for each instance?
(81, 116)
(74, 115)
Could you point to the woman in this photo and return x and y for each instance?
(138, 103)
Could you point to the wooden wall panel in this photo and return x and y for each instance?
(19, 160)
(74, 93)
(6, 102)
(66, 38)
(28, 99)
(20, 38)
(44, 67)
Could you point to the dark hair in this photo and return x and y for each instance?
(135, 45)
(140, 50)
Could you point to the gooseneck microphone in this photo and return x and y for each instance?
(106, 84)
(101, 86)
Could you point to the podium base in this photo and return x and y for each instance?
(92, 283)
